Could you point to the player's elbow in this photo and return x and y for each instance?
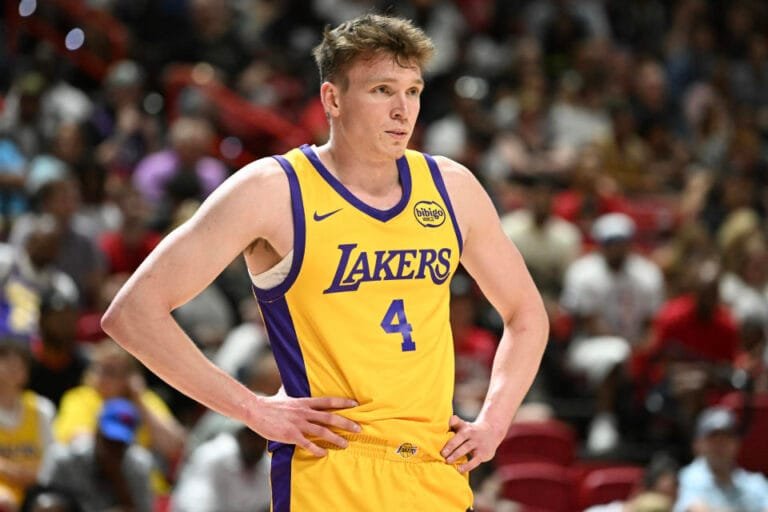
(120, 316)
(111, 320)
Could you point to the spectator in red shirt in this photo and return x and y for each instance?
(694, 344)
(126, 249)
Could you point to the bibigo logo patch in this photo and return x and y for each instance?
(406, 450)
(429, 214)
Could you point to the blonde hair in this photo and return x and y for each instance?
(368, 36)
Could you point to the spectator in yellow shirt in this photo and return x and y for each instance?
(114, 373)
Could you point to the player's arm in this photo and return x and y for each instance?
(498, 268)
(253, 203)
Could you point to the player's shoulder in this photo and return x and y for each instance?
(263, 169)
(261, 178)
(459, 180)
(451, 169)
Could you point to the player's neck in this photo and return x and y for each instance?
(357, 169)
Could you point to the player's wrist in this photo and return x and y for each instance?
(249, 407)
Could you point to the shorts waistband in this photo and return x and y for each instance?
(368, 446)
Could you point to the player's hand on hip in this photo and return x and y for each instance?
(291, 420)
(476, 440)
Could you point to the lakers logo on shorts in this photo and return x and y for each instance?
(406, 450)
(429, 214)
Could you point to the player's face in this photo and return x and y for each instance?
(378, 109)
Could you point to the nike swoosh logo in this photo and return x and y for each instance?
(319, 217)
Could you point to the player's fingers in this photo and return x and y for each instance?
(330, 402)
(334, 420)
(456, 441)
(460, 451)
(469, 465)
(327, 435)
(311, 447)
(456, 423)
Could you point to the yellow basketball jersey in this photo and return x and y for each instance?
(364, 310)
(22, 444)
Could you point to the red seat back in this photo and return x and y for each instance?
(538, 485)
(604, 485)
(547, 441)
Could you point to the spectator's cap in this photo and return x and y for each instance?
(58, 298)
(613, 227)
(118, 420)
(125, 73)
(715, 419)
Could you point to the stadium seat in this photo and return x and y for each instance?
(604, 485)
(538, 485)
(547, 441)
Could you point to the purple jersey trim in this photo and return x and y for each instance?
(440, 184)
(299, 236)
(280, 478)
(383, 215)
(285, 347)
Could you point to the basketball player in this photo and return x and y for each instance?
(351, 246)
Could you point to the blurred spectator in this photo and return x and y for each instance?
(713, 481)
(547, 243)
(451, 134)
(260, 375)
(114, 373)
(182, 171)
(624, 154)
(656, 493)
(749, 74)
(576, 118)
(690, 245)
(22, 115)
(25, 425)
(26, 272)
(612, 294)
(123, 130)
(58, 363)
(107, 471)
(751, 359)
(127, 247)
(745, 279)
(243, 343)
(41, 498)
(77, 255)
(215, 36)
(590, 194)
(229, 473)
(693, 348)
(13, 168)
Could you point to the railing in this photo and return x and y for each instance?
(236, 116)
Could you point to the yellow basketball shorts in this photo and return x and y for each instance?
(365, 477)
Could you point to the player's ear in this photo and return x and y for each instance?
(329, 95)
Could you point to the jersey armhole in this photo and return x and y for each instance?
(440, 185)
(299, 236)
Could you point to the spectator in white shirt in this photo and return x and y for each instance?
(229, 473)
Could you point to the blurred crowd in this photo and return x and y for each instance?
(624, 143)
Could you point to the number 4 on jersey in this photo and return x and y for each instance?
(395, 322)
